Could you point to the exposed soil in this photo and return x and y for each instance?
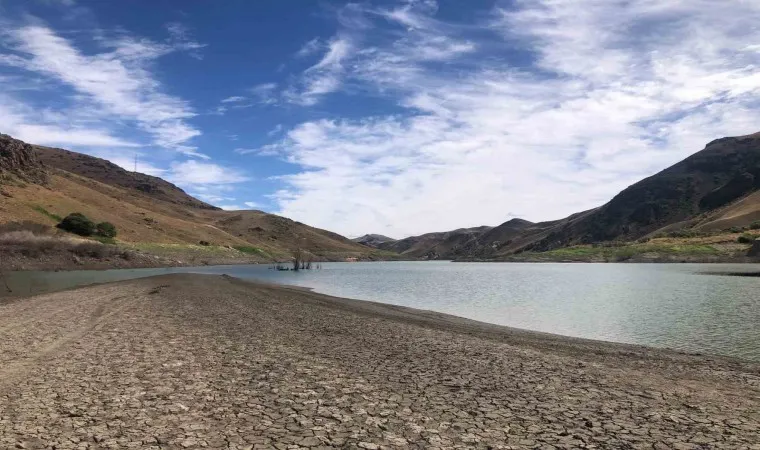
(190, 361)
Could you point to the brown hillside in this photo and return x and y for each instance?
(109, 173)
(443, 245)
(148, 210)
(712, 190)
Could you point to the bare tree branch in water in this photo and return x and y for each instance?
(5, 282)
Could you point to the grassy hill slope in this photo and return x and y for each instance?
(156, 216)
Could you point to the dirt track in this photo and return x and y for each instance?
(188, 361)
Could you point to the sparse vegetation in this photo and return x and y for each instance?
(755, 225)
(619, 254)
(249, 250)
(684, 234)
(104, 240)
(33, 245)
(46, 213)
(32, 227)
(204, 243)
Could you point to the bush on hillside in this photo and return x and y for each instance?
(755, 225)
(106, 230)
(78, 223)
(746, 239)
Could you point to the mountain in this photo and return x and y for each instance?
(373, 240)
(443, 245)
(43, 184)
(714, 189)
(109, 173)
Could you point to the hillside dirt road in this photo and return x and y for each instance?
(195, 361)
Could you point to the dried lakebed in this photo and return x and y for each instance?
(192, 361)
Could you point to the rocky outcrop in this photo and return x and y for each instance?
(19, 160)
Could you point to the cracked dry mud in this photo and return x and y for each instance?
(189, 361)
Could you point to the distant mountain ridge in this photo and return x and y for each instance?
(713, 189)
(373, 240)
(441, 245)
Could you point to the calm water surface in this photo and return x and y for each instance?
(663, 305)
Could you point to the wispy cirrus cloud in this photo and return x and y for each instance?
(115, 84)
(234, 99)
(309, 48)
(591, 96)
(324, 76)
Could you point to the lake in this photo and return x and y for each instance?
(676, 306)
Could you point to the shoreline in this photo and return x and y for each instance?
(191, 361)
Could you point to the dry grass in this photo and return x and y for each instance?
(33, 245)
(141, 219)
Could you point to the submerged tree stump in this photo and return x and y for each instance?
(755, 250)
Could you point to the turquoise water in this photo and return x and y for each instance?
(664, 305)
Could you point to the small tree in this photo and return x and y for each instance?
(755, 225)
(78, 223)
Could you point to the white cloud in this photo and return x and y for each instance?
(212, 197)
(275, 131)
(46, 128)
(603, 94)
(117, 84)
(325, 76)
(192, 172)
(252, 205)
(265, 93)
(265, 150)
(233, 99)
(309, 48)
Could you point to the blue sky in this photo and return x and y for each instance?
(395, 117)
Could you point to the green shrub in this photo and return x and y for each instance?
(106, 230)
(755, 225)
(247, 249)
(204, 243)
(77, 223)
(746, 239)
(735, 230)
